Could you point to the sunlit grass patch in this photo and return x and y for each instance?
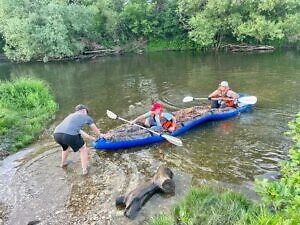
(211, 206)
(162, 219)
(26, 105)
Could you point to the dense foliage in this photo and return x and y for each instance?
(284, 194)
(25, 107)
(212, 22)
(43, 29)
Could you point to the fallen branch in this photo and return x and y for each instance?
(248, 48)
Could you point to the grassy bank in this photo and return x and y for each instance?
(211, 206)
(169, 44)
(280, 199)
(26, 106)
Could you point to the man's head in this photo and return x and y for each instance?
(81, 107)
(224, 85)
(156, 107)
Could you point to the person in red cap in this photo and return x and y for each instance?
(158, 119)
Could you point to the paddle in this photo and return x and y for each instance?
(247, 100)
(171, 139)
(190, 98)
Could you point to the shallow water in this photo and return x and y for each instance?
(231, 152)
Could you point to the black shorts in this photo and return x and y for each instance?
(67, 140)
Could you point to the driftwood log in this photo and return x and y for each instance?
(249, 48)
(135, 199)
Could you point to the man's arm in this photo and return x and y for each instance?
(86, 135)
(144, 116)
(214, 94)
(173, 128)
(232, 94)
(97, 132)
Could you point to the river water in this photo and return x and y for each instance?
(230, 153)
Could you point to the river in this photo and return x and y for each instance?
(229, 153)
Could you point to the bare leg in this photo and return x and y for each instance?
(64, 156)
(84, 158)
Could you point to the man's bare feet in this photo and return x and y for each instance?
(85, 172)
(64, 165)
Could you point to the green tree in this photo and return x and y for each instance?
(137, 18)
(105, 15)
(265, 20)
(43, 29)
(212, 22)
(168, 22)
(291, 27)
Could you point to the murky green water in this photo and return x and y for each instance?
(232, 151)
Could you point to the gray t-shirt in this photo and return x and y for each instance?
(73, 123)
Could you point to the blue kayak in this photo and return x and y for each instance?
(128, 136)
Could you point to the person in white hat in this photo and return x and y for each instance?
(223, 97)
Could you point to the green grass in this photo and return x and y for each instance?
(26, 106)
(171, 44)
(211, 206)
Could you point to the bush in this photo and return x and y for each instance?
(170, 44)
(25, 107)
(284, 194)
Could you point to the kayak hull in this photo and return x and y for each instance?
(103, 144)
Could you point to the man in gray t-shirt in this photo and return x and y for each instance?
(69, 134)
(73, 123)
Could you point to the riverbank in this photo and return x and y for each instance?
(143, 46)
(210, 205)
(280, 198)
(28, 193)
(26, 108)
(3, 58)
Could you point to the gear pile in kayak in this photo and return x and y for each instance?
(128, 136)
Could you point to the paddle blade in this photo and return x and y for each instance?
(173, 140)
(188, 99)
(111, 115)
(248, 100)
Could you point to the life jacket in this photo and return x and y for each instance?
(166, 124)
(226, 99)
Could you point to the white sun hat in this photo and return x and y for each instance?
(224, 84)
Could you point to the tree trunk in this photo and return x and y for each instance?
(135, 199)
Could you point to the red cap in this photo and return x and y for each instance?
(155, 106)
